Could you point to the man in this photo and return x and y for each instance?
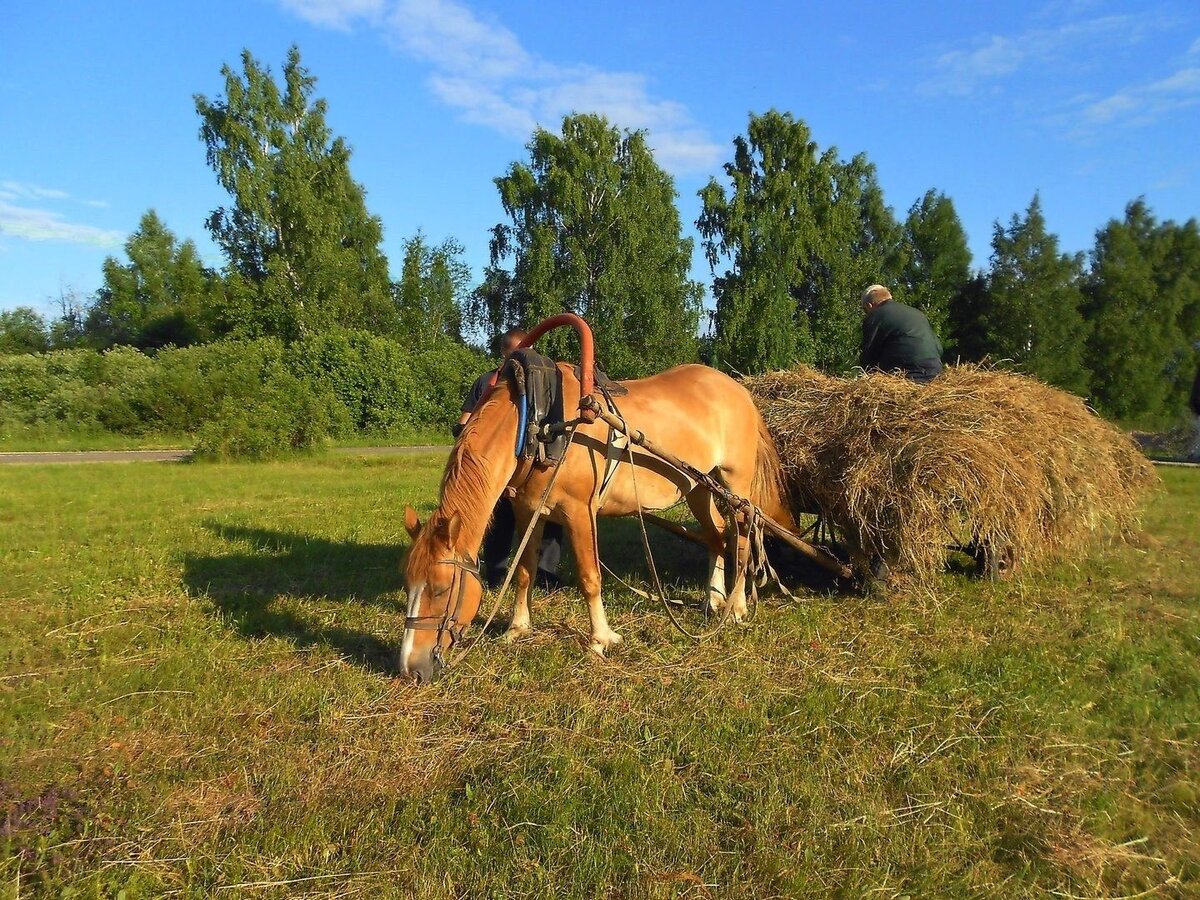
(497, 544)
(898, 338)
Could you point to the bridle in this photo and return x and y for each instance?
(447, 622)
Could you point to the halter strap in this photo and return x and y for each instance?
(448, 621)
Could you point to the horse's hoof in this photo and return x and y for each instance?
(600, 644)
(515, 633)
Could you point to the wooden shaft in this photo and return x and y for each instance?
(821, 558)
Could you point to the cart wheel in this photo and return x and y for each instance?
(994, 562)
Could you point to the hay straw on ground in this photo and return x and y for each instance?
(977, 456)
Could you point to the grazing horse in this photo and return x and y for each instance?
(692, 411)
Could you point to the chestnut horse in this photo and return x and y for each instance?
(692, 411)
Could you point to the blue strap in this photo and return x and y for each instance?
(523, 408)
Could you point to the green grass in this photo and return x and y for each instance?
(197, 693)
(30, 439)
(25, 439)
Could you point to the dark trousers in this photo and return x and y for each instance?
(498, 544)
(924, 371)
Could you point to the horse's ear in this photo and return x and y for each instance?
(412, 523)
(452, 529)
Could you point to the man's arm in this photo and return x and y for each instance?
(868, 355)
(478, 389)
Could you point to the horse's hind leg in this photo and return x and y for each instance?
(581, 528)
(526, 566)
(712, 527)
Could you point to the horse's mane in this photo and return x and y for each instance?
(466, 482)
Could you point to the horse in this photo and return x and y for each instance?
(695, 412)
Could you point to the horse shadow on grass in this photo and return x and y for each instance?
(245, 585)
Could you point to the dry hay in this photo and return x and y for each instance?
(979, 456)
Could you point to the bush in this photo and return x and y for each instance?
(243, 394)
(383, 385)
(188, 386)
(286, 416)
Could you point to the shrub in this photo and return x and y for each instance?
(383, 385)
(287, 415)
(362, 381)
(188, 386)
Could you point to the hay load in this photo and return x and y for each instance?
(992, 459)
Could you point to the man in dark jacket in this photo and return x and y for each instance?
(497, 544)
(898, 338)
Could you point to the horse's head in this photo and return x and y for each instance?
(444, 591)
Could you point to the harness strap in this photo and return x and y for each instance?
(617, 442)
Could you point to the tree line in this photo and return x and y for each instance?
(791, 231)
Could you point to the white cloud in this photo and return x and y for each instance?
(1194, 50)
(45, 225)
(1145, 103)
(991, 58)
(21, 190)
(338, 14)
(19, 219)
(480, 68)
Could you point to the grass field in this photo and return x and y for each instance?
(27, 439)
(197, 698)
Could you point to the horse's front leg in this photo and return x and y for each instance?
(581, 527)
(526, 566)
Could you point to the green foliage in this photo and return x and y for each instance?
(802, 233)
(187, 387)
(594, 230)
(78, 389)
(303, 251)
(968, 321)
(362, 382)
(1033, 315)
(23, 330)
(163, 296)
(286, 415)
(382, 385)
(1143, 287)
(937, 261)
(433, 288)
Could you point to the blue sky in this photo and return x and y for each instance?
(1090, 103)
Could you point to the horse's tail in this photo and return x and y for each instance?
(768, 490)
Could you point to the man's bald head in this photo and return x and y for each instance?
(874, 297)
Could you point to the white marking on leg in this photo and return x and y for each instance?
(716, 581)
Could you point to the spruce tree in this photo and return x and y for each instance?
(300, 243)
(593, 229)
(1141, 296)
(937, 261)
(1034, 314)
(432, 291)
